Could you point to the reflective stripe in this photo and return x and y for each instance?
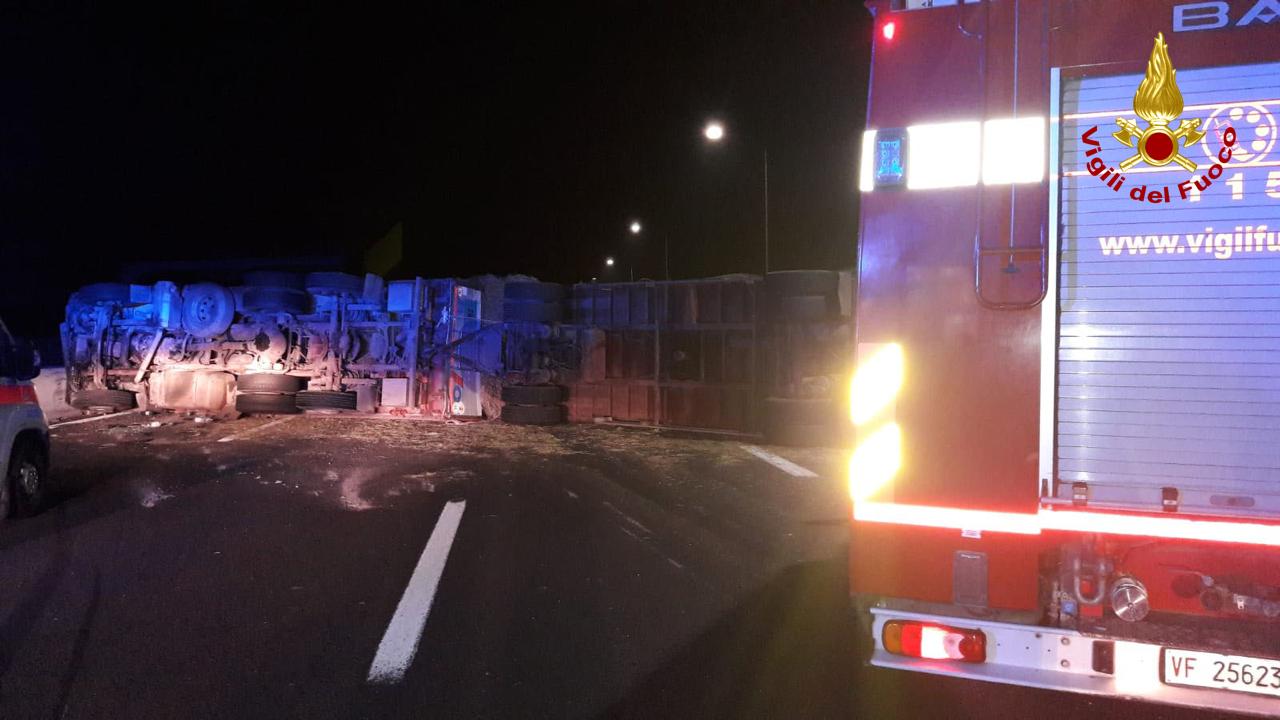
(1046, 519)
(18, 395)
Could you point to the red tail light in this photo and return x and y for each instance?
(934, 642)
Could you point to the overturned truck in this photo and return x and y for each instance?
(735, 353)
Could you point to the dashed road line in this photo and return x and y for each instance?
(571, 494)
(400, 641)
(636, 523)
(256, 430)
(95, 418)
(781, 463)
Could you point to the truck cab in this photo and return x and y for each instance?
(24, 435)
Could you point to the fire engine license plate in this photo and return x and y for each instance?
(1221, 672)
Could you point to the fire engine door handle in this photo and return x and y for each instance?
(980, 253)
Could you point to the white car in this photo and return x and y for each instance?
(24, 435)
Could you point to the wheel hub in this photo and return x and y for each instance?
(29, 478)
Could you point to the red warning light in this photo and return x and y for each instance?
(889, 30)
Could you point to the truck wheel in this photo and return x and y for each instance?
(533, 394)
(326, 400)
(267, 404)
(103, 292)
(207, 309)
(527, 290)
(274, 300)
(533, 414)
(99, 399)
(536, 311)
(804, 422)
(268, 383)
(805, 308)
(274, 278)
(793, 283)
(334, 283)
(28, 470)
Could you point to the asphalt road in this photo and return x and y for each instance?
(256, 568)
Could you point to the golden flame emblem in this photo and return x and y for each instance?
(1159, 102)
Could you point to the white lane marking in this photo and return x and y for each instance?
(256, 430)
(400, 642)
(675, 564)
(632, 533)
(95, 418)
(627, 517)
(781, 463)
(571, 494)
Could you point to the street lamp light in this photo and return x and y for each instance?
(714, 132)
(608, 262)
(636, 228)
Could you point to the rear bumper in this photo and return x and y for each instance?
(1056, 659)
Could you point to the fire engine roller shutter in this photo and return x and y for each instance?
(1169, 359)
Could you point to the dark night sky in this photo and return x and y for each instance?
(507, 137)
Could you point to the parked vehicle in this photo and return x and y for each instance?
(24, 436)
(1067, 387)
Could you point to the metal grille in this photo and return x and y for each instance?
(1168, 363)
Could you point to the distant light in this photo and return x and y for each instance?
(714, 131)
(608, 262)
(635, 227)
(889, 30)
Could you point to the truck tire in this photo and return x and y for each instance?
(805, 308)
(28, 477)
(803, 411)
(274, 278)
(533, 414)
(275, 300)
(207, 309)
(100, 399)
(267, 404)
(326, 400)
(793, 283)
(536, 311)
(268, 383)
(334, 283)
(533, 394)
(804, 422)
(528, 290)
(103, 292)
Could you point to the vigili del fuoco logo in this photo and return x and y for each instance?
(1158, 102)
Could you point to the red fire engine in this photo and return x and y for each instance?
(1067, 394)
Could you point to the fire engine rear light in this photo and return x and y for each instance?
(889, 29)
(1013, 151)
(928, 641)
(875, 462)
(944, 155)
(876, 383)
